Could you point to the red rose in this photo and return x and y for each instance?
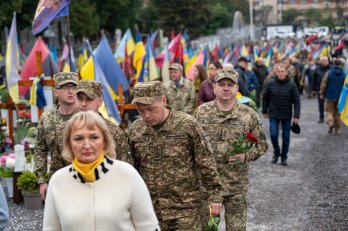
(251, 137)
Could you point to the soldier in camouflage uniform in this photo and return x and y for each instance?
(291, 69)
(89, 97)
(180, 92)
(168, 146)
(65, 92)
(223, 121)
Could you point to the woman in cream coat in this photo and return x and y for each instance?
(96, 192)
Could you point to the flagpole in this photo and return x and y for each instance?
(68, 41)
(251, 20)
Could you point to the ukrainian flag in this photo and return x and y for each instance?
(126, 44)
(12, 61)
(343, 103)
(139, 54)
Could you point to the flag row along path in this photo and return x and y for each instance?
(311, 193)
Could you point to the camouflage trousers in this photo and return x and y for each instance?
(332, 114)
(192, 223)
(236, 212)
(204, 212)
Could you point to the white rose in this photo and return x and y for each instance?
(10, 163)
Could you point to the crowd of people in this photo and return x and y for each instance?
(173, 168)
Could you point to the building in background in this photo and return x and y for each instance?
(338, 10)
(272, 11)
(267, 12)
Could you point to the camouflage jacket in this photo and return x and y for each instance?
(168, 161)
(181, 98)
(45, 140)
(292, 72)
(222, 131)
(119, 137)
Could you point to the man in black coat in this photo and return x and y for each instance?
(241, 68)
(261, 73)
(318, 75)
(279, 98)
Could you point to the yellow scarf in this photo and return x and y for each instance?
(87, 170)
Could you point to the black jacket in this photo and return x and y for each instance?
(261, 73)
(318, 75)
(242, 81)
(278, 98)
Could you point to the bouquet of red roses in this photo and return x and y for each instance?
(244, 143)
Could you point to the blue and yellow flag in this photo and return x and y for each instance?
(166, 65)
(343, 102)
(12, 61)
(127, 43)
(110, 105)
(268, 58)
(112, 71)
(47, 11)
(149, 69)
(139, 54)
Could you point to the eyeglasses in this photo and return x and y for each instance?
(68, 87)
(212, 69)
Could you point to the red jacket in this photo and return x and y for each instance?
(206, 93)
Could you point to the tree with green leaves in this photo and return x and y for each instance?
(290, 15)
(84, 19)
(117, 13)
(147, 18)
(181, 14)
(6, 10)
(312, 16)
(199, 17)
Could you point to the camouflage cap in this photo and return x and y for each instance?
(147, 92)
(62, 78)
(176, 66)
(227, 74)
(92, 89)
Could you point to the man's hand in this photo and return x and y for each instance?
(265, 116)
(43, 191)
(296, 120)
(233, 158)
(322, 97)
(216, 208)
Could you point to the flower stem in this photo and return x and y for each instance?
(224, 169)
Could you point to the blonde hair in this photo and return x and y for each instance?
(90, 119)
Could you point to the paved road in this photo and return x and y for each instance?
(311, 193)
